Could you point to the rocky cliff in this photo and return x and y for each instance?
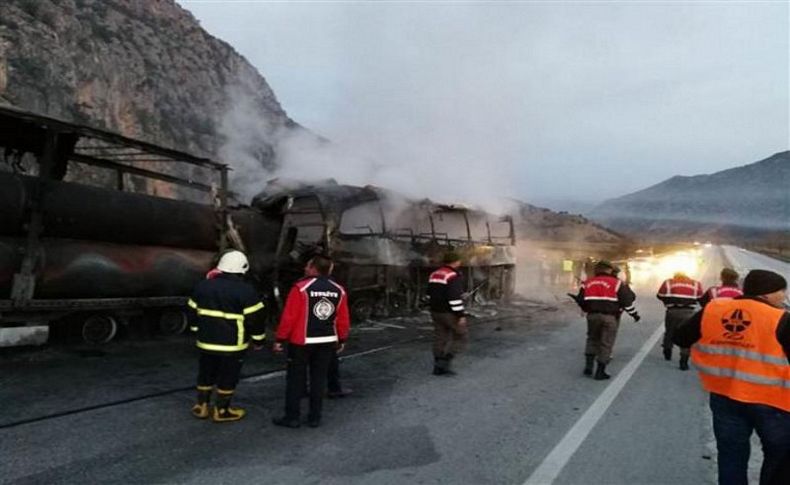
(142, 68)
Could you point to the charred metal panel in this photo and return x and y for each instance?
(88, 269)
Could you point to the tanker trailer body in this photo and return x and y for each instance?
(99, 255)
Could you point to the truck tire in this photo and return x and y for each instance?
(172, 322)
(99, 329)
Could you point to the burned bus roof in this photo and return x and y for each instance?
(340, 197)
(26, 131)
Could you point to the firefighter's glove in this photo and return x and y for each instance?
(636, 317)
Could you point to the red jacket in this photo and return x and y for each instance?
(316, 311)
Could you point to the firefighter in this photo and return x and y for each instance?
(314, 324)
(226, 314)
(741, 348)
(603, 298)
(445, 292)
(680, 295)
(727, 289)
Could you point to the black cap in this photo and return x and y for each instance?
(451, 257)
(762, 282)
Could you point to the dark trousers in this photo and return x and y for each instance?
(333, 378)
(221, 370)
(315, 359)
(674, 317)
(601, 334)
(449, 336)
(733, 424)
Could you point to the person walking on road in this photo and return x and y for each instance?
(741, 348)
(226, 315)
(315, 325)
(680, 295)
(727, 289)
(445, 291)
(603, 298)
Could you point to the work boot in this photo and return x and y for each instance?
(684, 363)
(441, 367)
(600, 374)
(200, 409)
(668, 353)
(588, 364)
(223, 412)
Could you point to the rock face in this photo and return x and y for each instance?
(737, 203)
(142, 68)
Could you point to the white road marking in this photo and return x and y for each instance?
(553, 464)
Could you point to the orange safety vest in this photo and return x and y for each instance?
(739, 356)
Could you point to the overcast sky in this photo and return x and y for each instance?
(561, 100)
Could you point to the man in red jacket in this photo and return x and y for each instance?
(314, 324)
(727, 289)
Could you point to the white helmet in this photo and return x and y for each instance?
(233, 262)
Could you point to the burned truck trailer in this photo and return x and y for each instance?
(99, 227)
(385, 245)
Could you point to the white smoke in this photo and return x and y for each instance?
(427, 165)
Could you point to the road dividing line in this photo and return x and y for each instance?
(552, 465)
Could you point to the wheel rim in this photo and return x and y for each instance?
(99, 329)
(172, 322)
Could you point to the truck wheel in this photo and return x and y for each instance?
(172, 322)
(99, 329)
(361, 310)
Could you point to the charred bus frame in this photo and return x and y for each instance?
(385, 245)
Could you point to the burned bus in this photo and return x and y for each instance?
(386, 245)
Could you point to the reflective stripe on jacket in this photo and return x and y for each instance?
(226, 314)
(316, 312)
(445, 291)
(680, 292)
(724, 292)
(739, 355)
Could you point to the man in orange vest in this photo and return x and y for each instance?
(680, 295)
(727, 289)
(742, 352)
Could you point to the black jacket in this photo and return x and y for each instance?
(226, 314)
(445, 291)
(690, 331)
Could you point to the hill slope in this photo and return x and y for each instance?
(734, 203)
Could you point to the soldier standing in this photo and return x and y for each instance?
(680, 294)
(603, 297)
(445, 290)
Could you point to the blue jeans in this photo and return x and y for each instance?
(733, 423)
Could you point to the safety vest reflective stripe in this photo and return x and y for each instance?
(259, 337)
(254, 308)
(192, 304)
(222, 348)
(606, 298)
(742, 376)
(746, 354)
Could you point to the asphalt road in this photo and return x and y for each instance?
(518, 412)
